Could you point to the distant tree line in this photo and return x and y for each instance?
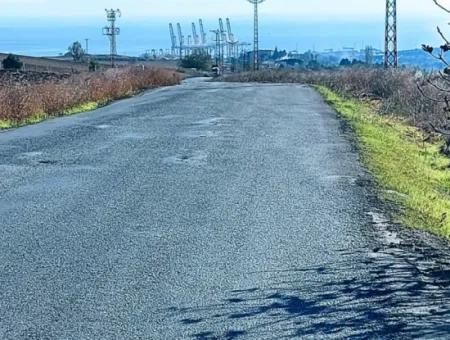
(347, 62)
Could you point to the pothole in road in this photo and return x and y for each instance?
(382, 224)
(210, 121)
(47, 162)
(27, 155)
(131, 136)
(341, 179)
(197, 158)
(34, 158)
(103, 126)
(199, 134)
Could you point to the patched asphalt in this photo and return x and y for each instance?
(207, 211)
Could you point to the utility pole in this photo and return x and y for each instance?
(87, 46)
(112, 31)
(256, 34)
(391, 49)
(218, 54)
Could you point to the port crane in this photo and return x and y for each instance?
(180, 39)
(173, 39)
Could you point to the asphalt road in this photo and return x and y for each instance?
(207, 211)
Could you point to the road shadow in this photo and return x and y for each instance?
(394, 291)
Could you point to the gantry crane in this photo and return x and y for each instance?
(173, 39)
(180, 39)
(232, 42)
(195, 35)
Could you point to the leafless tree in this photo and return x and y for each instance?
(439, 83)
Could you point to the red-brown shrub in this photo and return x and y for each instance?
(22, 101)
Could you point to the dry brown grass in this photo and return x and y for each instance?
(22, 102)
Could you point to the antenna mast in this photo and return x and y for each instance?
(256, 34)
(112, 31)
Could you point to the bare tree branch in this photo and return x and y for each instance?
(428, 97)
(443, 36)
(441, 6)
(442, 132)
(437, 87)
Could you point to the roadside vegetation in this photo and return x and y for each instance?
(413, 172)
(28, 102)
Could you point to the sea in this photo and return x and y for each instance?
(49, 37)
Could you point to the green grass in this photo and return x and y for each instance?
(41, 116)
(411, 173)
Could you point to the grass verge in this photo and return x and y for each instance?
(412, 173)
(40, 117)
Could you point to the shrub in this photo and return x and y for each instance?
(20, 103)
(198, 61)
(93, 66)
(12, 62)
(345, 62)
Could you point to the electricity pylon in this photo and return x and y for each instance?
(390, 49)
(112, 31)
(218, 50)
(256, 34)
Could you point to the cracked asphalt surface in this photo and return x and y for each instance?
(207, 211)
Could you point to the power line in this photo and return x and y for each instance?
(218, 49)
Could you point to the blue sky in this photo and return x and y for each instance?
(304, 24)
(353, 10)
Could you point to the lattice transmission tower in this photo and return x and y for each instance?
(256, 34)
(112, 31)
(390, 49)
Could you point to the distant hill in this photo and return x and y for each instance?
(411, 58)
(416, 58)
